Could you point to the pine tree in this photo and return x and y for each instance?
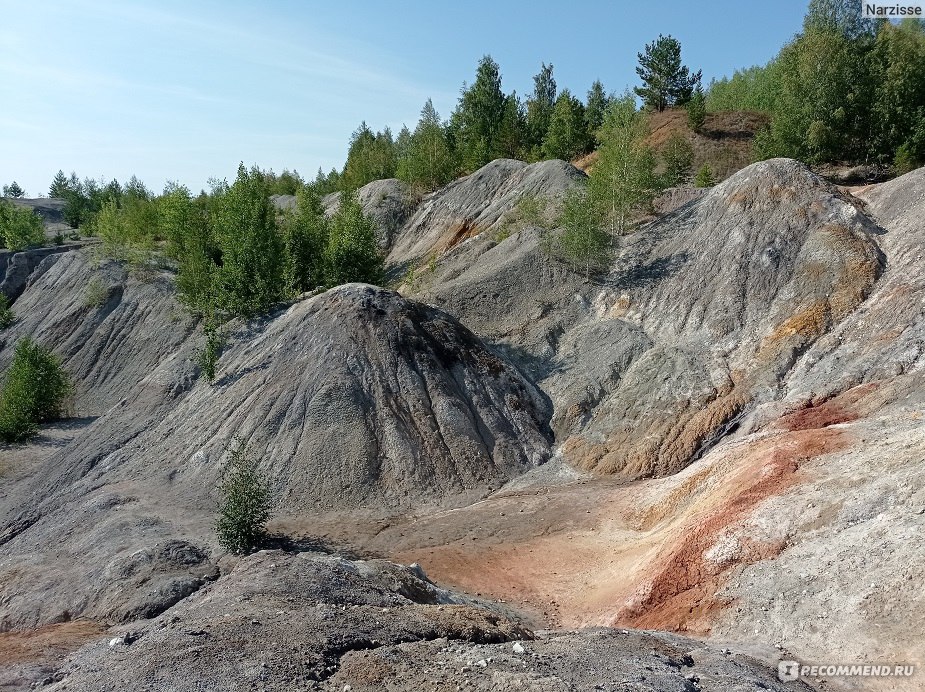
(246, 502)
(583, 242)
(665, 81)
(540, 107)
(478, 116)
(13, 190)
(513, 136)
(595, 107)
(430, 161)
(697, 109)
(59, 185)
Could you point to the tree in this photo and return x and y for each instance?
(897, 62)
(305, 235)
(595, 107)
(665, 81)
(540, 107)
(246, 502)
(249, 278)
(476, 121)
(371, 156)
(352, 253)
(430, 161)
(697, 109)
(566, 136)
(841, 16)
(704, 177)
(512, 136)
(59, 186)
(35, 390)
(677, 157)
(583, 242)
(20, 227)
(13, 190)
(823, 103)
(623, 182)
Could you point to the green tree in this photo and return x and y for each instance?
(567, 134)
(540, 107)
(430, 162)
(7, 316)
(751, 89)
(595, 108)
(352, 253)
(583, 242)
(20, 227)
(58, 186)
(476, 122)
(305, 234)
(665, 81)
(13, 190)
(371, 156)
(677, 156)
(704, 177)
(35, 389)
(697, 109)
(823, 100)
(898, 73)
(623, 182)
(249, 278)
(246, 502)
(512, 134)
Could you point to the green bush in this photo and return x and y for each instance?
(20, 227)
(245, 505)
(35, 390)
(7, 317)
(704, 177)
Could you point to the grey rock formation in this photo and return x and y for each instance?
(476, 203)
(703, 313)
(283, 622)
(111, 328)
(354, 399)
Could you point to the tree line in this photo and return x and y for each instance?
(845, 89)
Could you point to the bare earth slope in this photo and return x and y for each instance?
(379, 404)
(701, 317)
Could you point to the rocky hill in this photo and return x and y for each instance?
(718, 436)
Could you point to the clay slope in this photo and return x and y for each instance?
(353, 400)
(476, 203)
(281, 622)
(702, 315)
(110, 327)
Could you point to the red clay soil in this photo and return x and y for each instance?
(47, 643)
(840, 409)
(681, 594)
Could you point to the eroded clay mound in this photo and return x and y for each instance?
(305, 621)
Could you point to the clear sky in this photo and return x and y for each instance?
(185, 90)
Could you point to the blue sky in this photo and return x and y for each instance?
(185, 90)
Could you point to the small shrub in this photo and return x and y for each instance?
(246, 503)
(35, 390)
(211, 350)
(704, 177)
(95, 293)
(7, 316)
